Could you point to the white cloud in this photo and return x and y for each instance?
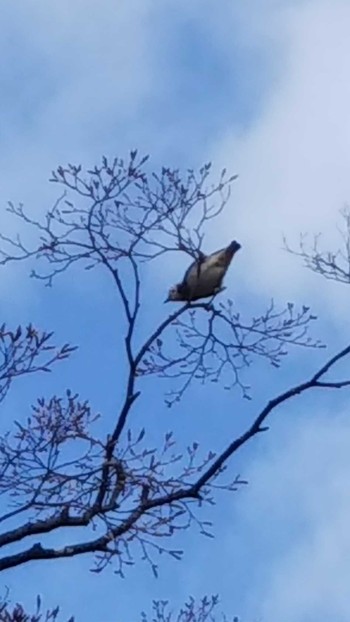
(76, 77)
(294, 167)
(89, 70)
(295, 518)
(76, 73)
(294, 162)
(98, 68)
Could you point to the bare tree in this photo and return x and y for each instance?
(332, 265)
(17, 613)
(26, 351)
(119, 218)
(203, 610)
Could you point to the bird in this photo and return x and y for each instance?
(204, 276)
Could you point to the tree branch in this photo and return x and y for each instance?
(192, 492)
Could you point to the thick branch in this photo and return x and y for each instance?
(146, 505)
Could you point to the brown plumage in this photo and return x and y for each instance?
(204, 277)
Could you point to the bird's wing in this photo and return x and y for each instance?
(224, 255)
(194, 266)
(221, 258)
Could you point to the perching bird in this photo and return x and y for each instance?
(204, 277)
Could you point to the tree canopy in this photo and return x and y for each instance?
(57, 469)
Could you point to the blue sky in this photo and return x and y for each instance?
(264, 90)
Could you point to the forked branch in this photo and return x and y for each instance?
(146, 513)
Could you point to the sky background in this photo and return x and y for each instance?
(260, 87)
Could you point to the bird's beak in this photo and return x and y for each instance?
(166, 300)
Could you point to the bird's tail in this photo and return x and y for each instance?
(231, 250)
(225, 256)
(233, 247)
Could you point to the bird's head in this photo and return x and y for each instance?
(174, 294)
